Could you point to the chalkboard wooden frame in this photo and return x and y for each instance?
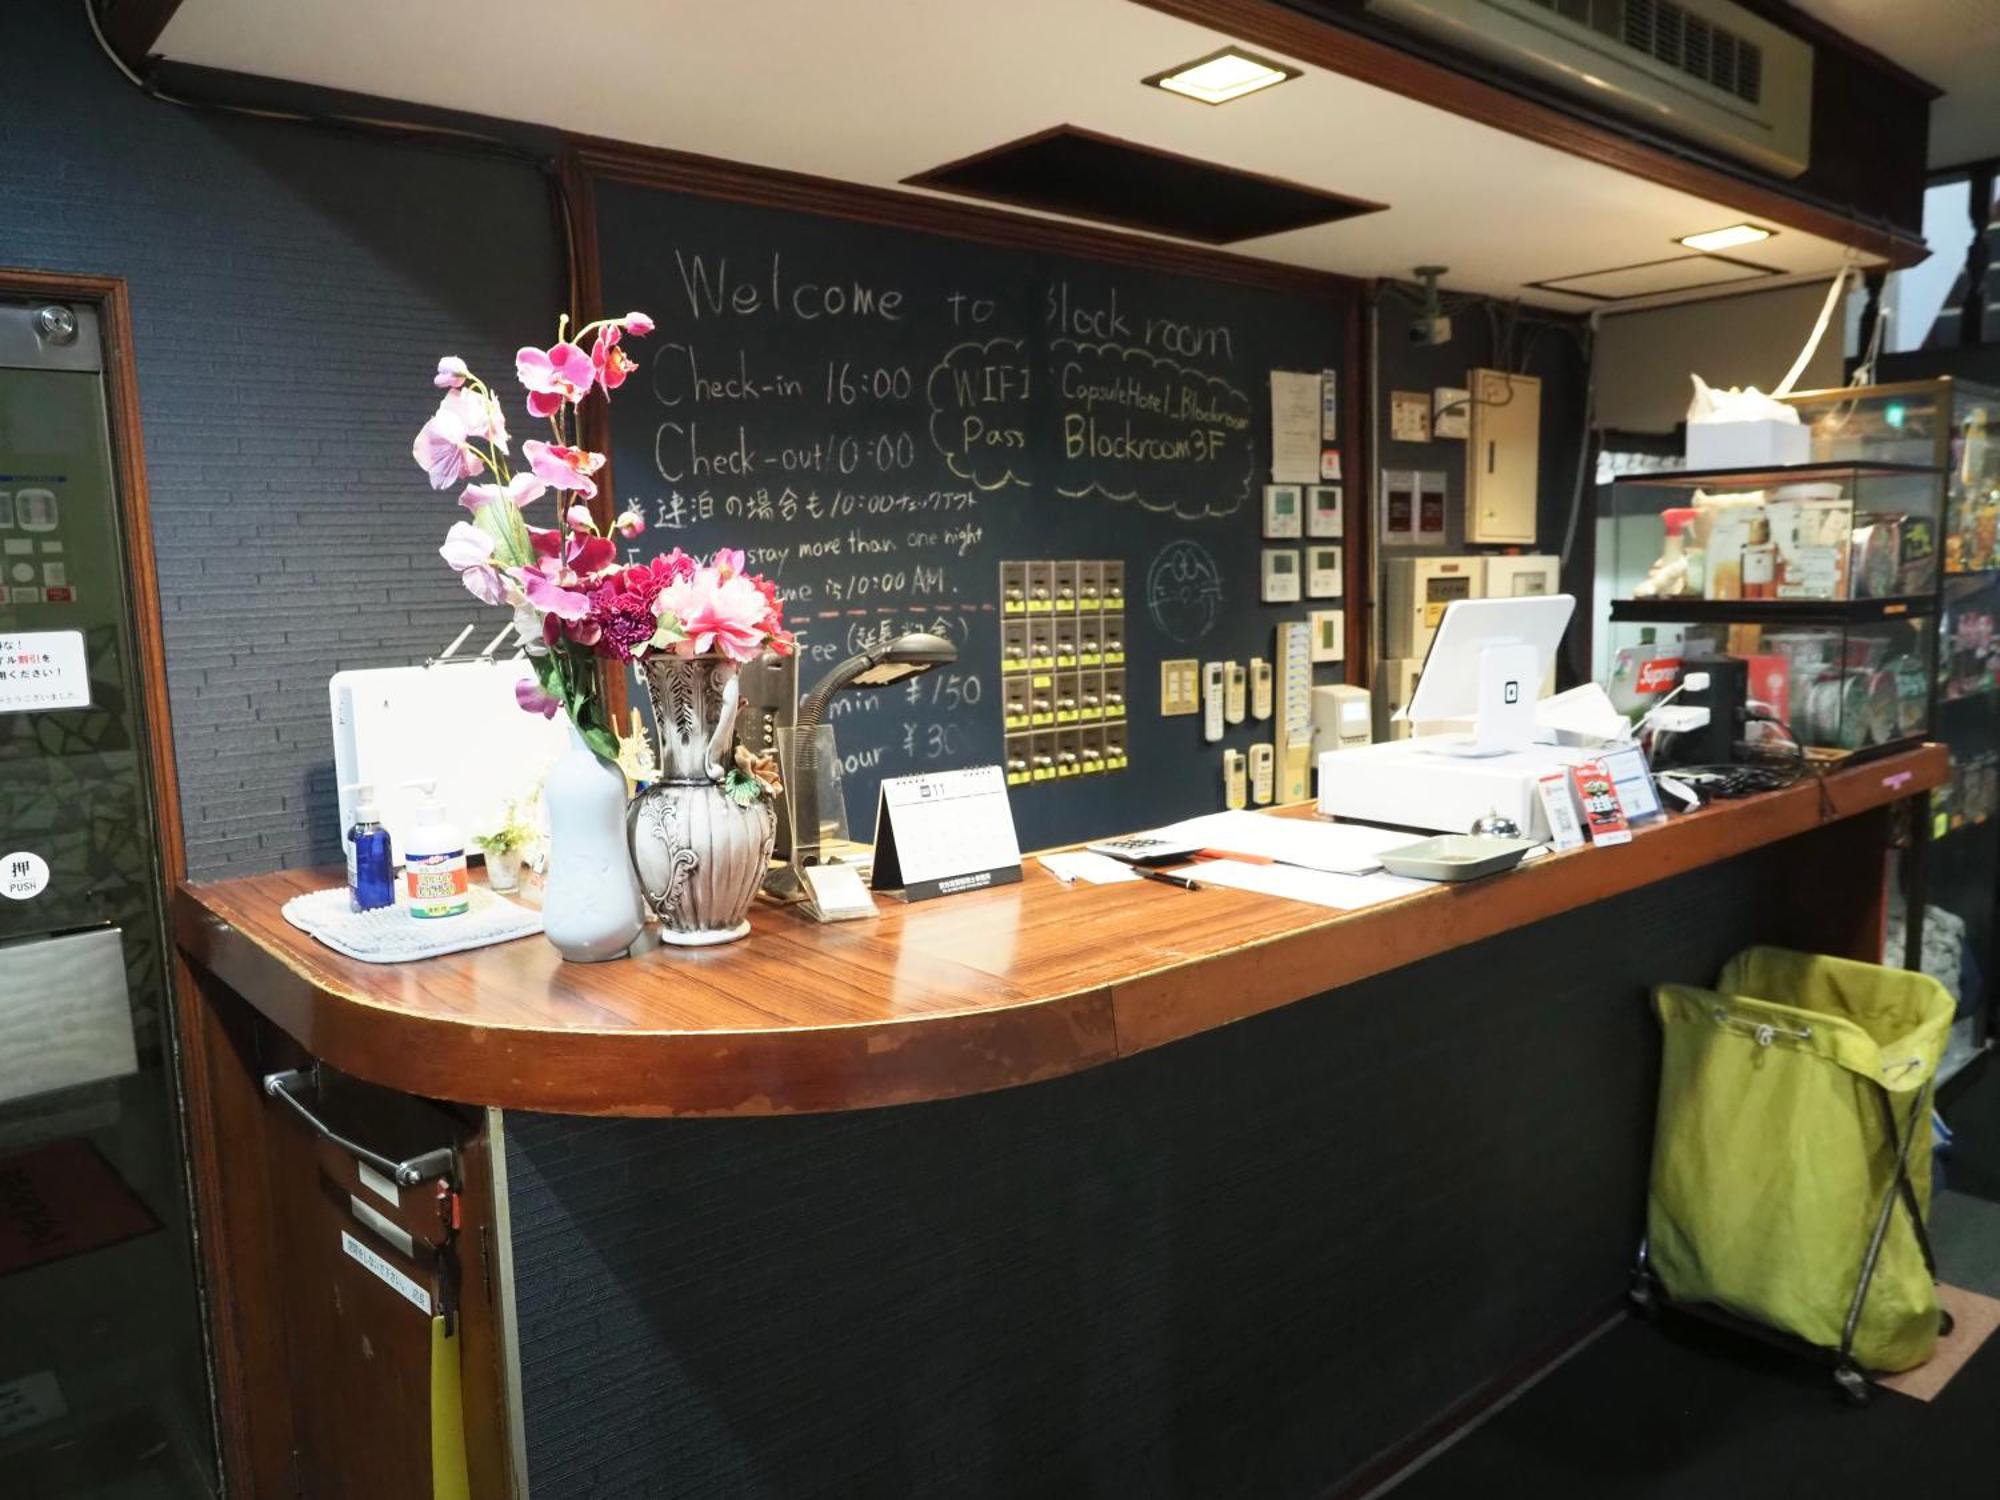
(587, 162)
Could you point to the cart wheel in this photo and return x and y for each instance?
(1854, 1386)
(1946, 1325)
(1639, 1290)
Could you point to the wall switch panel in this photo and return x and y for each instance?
(1180, 687)
(1262, 761)
(1235, 781)
(1281, 575)
(1235, 686)
(1260, 689)
(1329, 634)
(1212, 693)
(1283, 506)
(1324, 511)
(1324, 573)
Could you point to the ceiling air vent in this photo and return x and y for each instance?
(1705, 69)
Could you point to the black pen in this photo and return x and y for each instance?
(1166, 877)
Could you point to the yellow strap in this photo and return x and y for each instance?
(448, 1476)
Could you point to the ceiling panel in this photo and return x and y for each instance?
(875, 91)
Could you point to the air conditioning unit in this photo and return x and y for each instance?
(1707, 70)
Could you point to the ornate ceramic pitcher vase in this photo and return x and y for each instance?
(700, 853)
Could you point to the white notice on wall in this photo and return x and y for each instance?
(1295, 426)
(41, 670)
(946, 832)
(377, 1266)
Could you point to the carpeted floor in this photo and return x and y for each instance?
(1680, 1411)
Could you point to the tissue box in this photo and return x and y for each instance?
(1757, 444)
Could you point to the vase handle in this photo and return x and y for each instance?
(719, 743)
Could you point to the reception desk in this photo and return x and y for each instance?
(1120, 1190)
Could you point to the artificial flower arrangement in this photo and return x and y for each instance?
(573, 604)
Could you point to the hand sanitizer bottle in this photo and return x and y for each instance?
(371, 863)
(434, 876)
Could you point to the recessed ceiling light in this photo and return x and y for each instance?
(1222, 76)
(1726, 239)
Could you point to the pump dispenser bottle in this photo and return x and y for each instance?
(434, 874)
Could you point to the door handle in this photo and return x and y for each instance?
(429, 1165)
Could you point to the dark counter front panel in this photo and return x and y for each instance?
(1242, 1264)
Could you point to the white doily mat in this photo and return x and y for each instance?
(390, 935)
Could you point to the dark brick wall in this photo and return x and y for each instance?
(291, 288)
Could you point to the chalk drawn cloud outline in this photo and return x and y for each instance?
(940, 411)
(1225, 504)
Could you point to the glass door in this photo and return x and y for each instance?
(103, 1383)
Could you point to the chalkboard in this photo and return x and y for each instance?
(880, 417)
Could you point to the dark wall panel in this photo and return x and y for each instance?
(1239, 1265)
(291, 288)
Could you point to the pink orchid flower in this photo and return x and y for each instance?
(470, 553)
(528, 693)
(521, 490)
(543, 584)
(479, 414)
(629, 524)
(563, 468)
(607, 360)
(562, 372)
(443, 450)
(578, 517)
(451, 373)
(637, 324)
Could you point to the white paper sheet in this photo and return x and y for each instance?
(1091, 869)
(1341, 892)
(1342, 848)
(1295, 426)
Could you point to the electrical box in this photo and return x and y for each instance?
(1503, 458)
(1416, 591)
(1342, 718)
(1517, 577)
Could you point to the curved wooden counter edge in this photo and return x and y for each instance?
(957, 997)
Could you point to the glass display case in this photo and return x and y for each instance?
(1823, 578)
(1953, 426)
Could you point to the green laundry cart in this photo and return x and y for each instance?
(1791, 1158)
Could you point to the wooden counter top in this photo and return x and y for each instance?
(948, 997)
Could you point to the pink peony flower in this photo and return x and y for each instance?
(519, 491)
(637, 324)
(470, 553)
(607, 361)
(443, 450)
(451, 373)
(562, 372)
(528, 693)
(563, 468)
(718, 613)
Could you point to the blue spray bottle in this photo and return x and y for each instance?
(371, 863)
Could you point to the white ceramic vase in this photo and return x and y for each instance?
(591, 907)
(700, 853)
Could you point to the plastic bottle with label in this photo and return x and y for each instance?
(371, 862)
(435, 882)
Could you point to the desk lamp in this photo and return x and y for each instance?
(879, 666)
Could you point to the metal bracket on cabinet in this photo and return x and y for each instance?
(429, 1166)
